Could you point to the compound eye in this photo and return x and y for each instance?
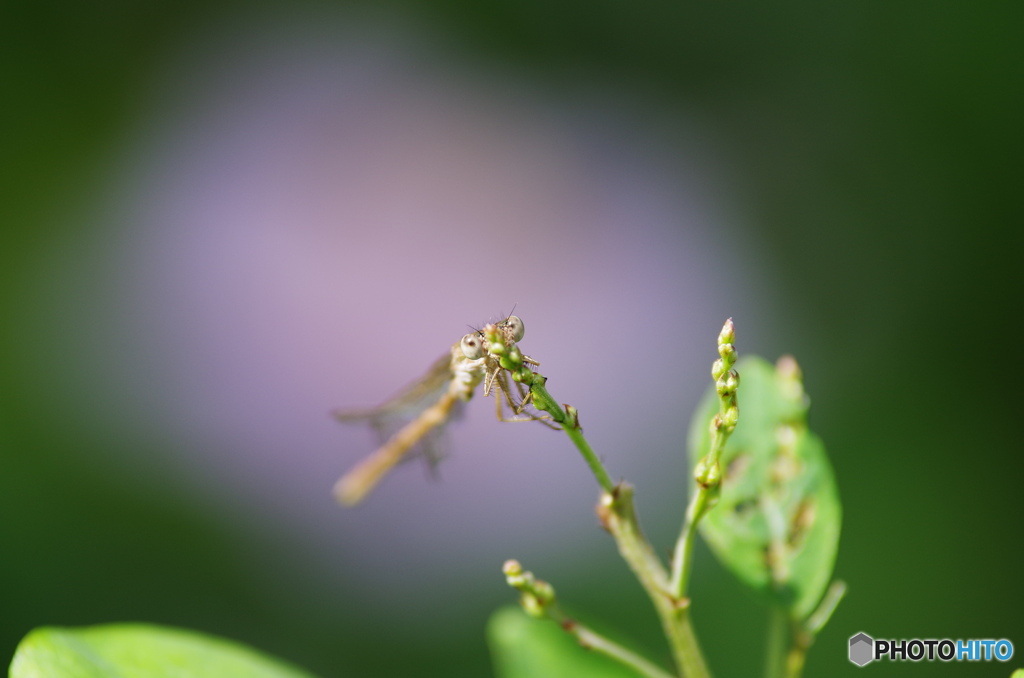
(516, 328)
(472, 346)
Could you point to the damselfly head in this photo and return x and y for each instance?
(473, 345)
(513, 328)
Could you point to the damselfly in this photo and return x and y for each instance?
(434, 400)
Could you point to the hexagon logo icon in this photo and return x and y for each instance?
(862, 648)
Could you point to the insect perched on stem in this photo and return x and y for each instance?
(437, 397)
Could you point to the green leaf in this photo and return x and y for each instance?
(522, 647)
(1019, 673)
(137, 651)
(776, 525)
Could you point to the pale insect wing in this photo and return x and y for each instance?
(389, 417)
(434, 443)
(360, 480)
(411, 400)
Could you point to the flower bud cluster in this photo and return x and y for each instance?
(536, 595)
(727, 380)
(708, 471)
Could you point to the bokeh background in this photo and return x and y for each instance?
(222, 220)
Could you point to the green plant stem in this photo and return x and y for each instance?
(789, 642)
(618, 516)
(828, 604)
(595, 641)
(797, 655)
(570, 424)
(596, 467)
(777, 643)
(682, 557)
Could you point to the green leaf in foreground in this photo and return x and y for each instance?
(776, 525)
(139, 651)
(522, 647)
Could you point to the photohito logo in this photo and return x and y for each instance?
(865, 649)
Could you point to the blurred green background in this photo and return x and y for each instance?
(876, 149)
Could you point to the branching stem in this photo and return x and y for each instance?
(618, 515)
(538, 599)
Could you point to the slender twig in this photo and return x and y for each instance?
(591, 640)
(777, 643)
(789, 641)
(538, 600)
(570, 422)
(826, 607)
(682, 557)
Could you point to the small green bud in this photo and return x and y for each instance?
(573, 415)
(717, 369)
(788, 368)
(604, 509)
(544, 592)
(728, 333)
(728, 353)
(700, 469)
(707, 474)
(517, 581)
(531, 605)
(716, 424)
(791, 379)
(732, 415)
(492, 336)
(728, 384)
(516, 577)
(722, 388)
(506, 363)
